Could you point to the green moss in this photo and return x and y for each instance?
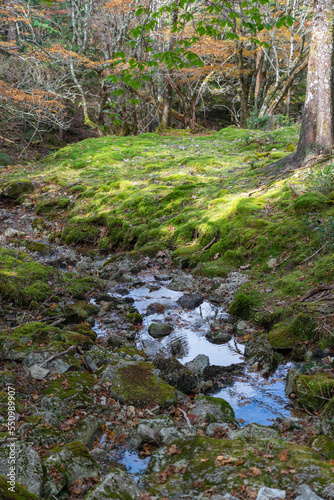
(38, 224)
(52, 204)
(287, 335)
(310, 202)
(20, 492)
(135, 318)
(35, 246)
(241, 305)
(17, 187)
(73, 387)
(324, 445)
(225, 407)
(313, 391)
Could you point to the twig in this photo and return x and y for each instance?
(59, 354)
(7, 140)
(79, 351)
(186, 418)
(325, 328)
(209, 245)
(281, 262)
(68, 187)
(314, 254)
(57, 322)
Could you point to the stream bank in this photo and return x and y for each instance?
(173, 411)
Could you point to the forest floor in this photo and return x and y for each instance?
(201, 213)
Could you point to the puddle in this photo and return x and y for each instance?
(122, 455)
(258, 400)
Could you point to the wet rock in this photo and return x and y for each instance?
(135, 383)
(114, 340)
(176, 374)
(219, 334)
(181, 283)
(305, 493)
(190, 300)
(259, 350)
(291, 381)
(28, 467)
(162, 277)
(158, 330)
(151, 348)
(266, 493)
(116, 484)
(155, 308)
(198, 365)
(213, 371)
(72, 462)
(16, 188)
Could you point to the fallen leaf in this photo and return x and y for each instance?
(283, 455)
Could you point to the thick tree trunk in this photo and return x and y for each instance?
(317, 129)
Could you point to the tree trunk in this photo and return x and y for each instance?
(317, 129)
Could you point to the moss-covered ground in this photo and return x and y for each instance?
(212, 200)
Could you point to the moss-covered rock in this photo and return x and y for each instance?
(36, 246)
(324, 445)
(16, 188)
(79, 311)
(224, 464)
(328, 419)
(117, 485)
(72, 388)
(314, 390)
(65, 465)
(17, 492)
(211, 410)
(286, 335)
(241, 305)
(52, 204)
(176, 374)
(135, 383)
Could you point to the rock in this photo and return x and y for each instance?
(168, 435)
(155, 308)
(313, 390)
(148, 435)
(116, 484)
(291, 379)
(119, 269)
(190, 300)
(266, 493)
(272, 263)
(260, 350)
(151, 348)
(37, 372)
(328, 492)
(15, 188)
(219, 337)
(216, 428)
(85, 430)
(305, 493)
(91, 365)
(28, 467)
(114, 340)
(203, 386)
(176, 374)
(19, 493)
(158, 330)
(327, 420)
(162, 277)
(100, 356)
(72, 462)
(198, 365)
(181, 283)
(11, 232)
(256, 432)
(208, 409)
(135, 383)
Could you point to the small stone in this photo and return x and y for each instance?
(272, 263)
(37, 372)
(147, 434)
(10, 232)
(91, 365)
(271, 494)
(158, 330)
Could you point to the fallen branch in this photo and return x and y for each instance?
(59, 354)
(314, 254)
(314, 291)
(186, 418)
(68, 187)
(325, 328)
(7, 140)
(209, 245)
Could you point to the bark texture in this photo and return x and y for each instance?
(317, 130)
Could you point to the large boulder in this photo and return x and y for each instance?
(190, 300)
(14, 189)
